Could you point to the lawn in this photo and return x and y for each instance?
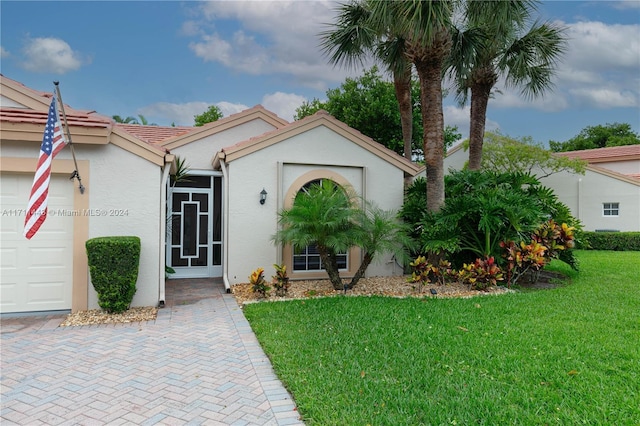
(567, 356)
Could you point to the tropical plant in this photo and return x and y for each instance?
(132, 120)
(505, 154)
(280, 280)
(213, 113)
(499, 41)
(352, 37)
(258, 283)
(332, 218)
(481, 274)
(421, 29)
(484, 208)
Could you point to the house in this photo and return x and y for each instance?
(243, 169)
(605, 198)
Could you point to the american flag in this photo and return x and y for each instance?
(52, 143)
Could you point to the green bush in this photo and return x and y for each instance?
(619, 241)
(113, 264)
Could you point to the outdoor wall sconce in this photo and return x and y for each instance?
(263, 196)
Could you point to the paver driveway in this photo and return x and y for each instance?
(197, 363)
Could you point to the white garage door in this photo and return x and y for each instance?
(36, 274)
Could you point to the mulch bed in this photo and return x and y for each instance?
(378, 286)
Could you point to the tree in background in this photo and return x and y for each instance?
(591, 137)
(213, 113)
(368, 104)
(504, 154)
(499, 41)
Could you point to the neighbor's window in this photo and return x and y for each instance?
(307, 258)
(611, 209)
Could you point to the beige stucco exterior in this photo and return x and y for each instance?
(125, 173)
(122, 178)
(281, 163)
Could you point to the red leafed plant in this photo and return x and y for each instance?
(481, 274)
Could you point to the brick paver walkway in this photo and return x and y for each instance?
(197, 363)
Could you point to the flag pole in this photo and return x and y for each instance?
(75, 173)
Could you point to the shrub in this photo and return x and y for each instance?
(619, 241)
(259, 284)
(280, 279)
(481, 210)
(481, 274)
(113, 265)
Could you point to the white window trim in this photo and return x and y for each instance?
(611, 207)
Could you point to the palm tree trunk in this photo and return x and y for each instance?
(402, 84)
(429, 70)
(331, 266)
(366, 261)
(479, 100)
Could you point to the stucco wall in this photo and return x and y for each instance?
(199, 154)
(585, 195)
(125, 189)
(275, 169)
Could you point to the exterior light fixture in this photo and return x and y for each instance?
(263, 196)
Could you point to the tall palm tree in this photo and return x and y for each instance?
(351, 39)
(404, 32)
(499, 41)
(425, 28)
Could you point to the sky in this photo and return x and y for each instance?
(170, 60)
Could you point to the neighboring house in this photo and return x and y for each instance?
(218, 226)
(605, 198)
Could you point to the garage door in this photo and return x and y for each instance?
(36, 274)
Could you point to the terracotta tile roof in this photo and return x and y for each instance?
(154, 134)
(601, 155)
(74, 117)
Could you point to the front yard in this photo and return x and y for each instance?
(568, 355)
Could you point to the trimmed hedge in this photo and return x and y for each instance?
(113, 265)
(619, 241)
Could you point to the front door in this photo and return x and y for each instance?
(194, 246)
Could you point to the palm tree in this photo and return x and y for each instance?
(328, 216)
(351, 39)
(499, 42)
(415, 32)
(127, 120)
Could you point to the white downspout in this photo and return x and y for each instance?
(225, 230)
(163, 230)
(579, 198)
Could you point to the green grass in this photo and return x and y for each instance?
(565, 356)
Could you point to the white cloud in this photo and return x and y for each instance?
(460, 117)
(183, 114)
(600, 68)
(229, 108)
(275, 37)
(604, 98)
(4, 53)
(283, 104)
(51, 55)
(180, 114)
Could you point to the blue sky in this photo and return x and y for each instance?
(170, 60)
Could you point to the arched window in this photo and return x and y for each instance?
(307, 259)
